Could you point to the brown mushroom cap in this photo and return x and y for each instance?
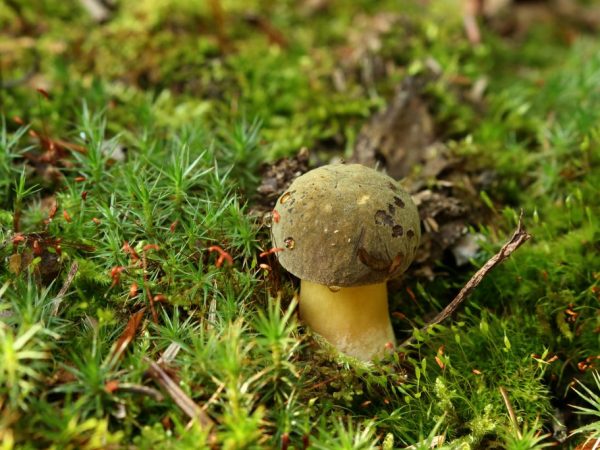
(345, 225)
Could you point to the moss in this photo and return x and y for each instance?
(177, 112)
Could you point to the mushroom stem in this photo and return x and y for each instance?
(355, 320)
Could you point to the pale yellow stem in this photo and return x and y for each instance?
(355, 320)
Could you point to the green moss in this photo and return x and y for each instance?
(177, 115)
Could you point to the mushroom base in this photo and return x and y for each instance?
(355, 320)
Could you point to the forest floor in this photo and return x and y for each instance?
(142, 147)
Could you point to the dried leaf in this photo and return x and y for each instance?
(592, 443)
(128, 335)
(398, 136)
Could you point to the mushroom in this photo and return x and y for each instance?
(345, 230)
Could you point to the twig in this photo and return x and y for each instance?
(170, 353)
(143, 390)
(519, 237)
(64, 288)
(187, 405)
(274, 35)
(511, 411)
(212, 309)
(325, 382)
(213, 398)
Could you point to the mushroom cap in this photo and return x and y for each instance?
(345, 225)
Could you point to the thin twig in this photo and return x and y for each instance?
(213, 398)
(170, 353)
(212, 309)
(65, 287)
(143, 390)
(325, 382)
(519, 237)
(274, 35)
(187, 405)
(511, 411)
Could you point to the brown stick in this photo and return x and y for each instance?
(519, 237)
(65, 287)
(187, 405)
(511, 411)
(169, 354)
(143, 390)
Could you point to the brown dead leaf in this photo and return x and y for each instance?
(401, 141)
(397, 137)
(128, 334)
(47, 268)
(591, 443)
(40, 253)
